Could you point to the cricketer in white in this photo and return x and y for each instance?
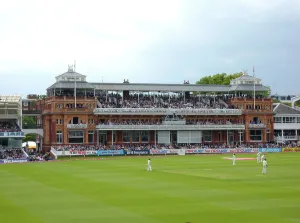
(149, 165)
(265, 165)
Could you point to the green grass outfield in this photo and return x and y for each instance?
(180, 189)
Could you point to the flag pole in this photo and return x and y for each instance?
(254, 85)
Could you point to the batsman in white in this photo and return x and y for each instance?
(233, 159)
(265, 165)
(149, 165)
(258, 157)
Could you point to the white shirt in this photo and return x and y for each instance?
(263, 156)
(234, 157)
(258, 154)
(149, 162)
(265, 163)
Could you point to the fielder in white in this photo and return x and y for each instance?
(233, 159)
(258, 157)
(149, 165)
(265, 165)
(262, 158)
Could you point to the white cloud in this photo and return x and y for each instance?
(143, 40)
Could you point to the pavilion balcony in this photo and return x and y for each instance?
(287, 138)
(31, 112)
(77, 126)
(165, 111)
(171, 127)
(257, 126)
(12, 134)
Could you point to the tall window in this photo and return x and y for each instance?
(91, 137)
(207, 135)
(145, 136)
(135, 136)
(289, 119)
(255, 135)
(59, 137)
(278, 119)
(126, 136)
(76, 137)
(114, 136)
(219, 136)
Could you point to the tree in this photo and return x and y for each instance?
(41, 96)
(219, 79)
(28, 121)
(267, 93)
(29, 137)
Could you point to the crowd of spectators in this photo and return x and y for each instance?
(188, 122)
(176, 146)
(9, 126)
(12, 154)
(114, 100)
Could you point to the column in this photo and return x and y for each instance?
(112, 137)
(240, 134)
(155, 137)
(282, 135)
(227, 137)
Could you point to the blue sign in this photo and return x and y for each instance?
(110, 152)
(138, 152)
(13, 161)
(270, 150)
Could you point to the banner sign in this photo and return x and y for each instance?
(138, 152)
(243, 150)
(194, 151)
(220, 151)
(76, 153)
(270, 150)
(163, 151)
(291, 150)
(13, 161)
(90, 152)
(110, 152)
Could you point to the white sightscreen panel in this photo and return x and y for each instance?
(163, 137)
(183, 136)
(189, 136)
(195, 136)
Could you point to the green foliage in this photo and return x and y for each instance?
(41, 96)
(267, 93)
(219, 79)
(28, 120)
(29, 137)
(275, 101)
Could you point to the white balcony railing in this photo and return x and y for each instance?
(77, 126)
(257, 126)
(165, 111)
(285, 138)
(170, 127)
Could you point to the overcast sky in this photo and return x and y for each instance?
(158, 41)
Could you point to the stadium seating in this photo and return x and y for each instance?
(9, 126)
(12, 154)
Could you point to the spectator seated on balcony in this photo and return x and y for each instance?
(12, 154)
(159, 101)
(9, 126)
(188, 122)
(137, 146)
